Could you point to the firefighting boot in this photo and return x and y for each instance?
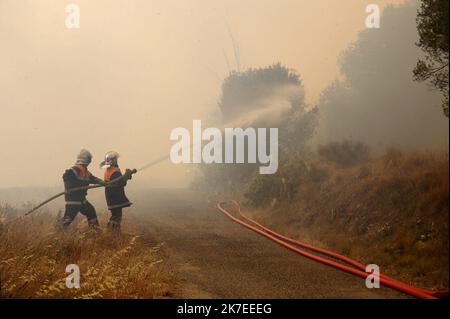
(93, 223)
(63, 223)
(114, 226)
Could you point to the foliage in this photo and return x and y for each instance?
(433, 24)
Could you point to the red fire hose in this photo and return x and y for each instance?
(360, 268)
(437, 294)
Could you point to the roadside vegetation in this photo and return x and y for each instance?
(390, 209)
(34, 256)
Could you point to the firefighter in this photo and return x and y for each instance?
(79, 176)
(115, 192)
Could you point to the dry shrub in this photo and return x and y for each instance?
(283, 186)
(34, 256)
(346, 153)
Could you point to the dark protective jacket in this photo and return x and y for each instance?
(77, 176)
(115, 193)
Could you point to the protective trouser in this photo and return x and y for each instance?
(115, 220)
(84, 208)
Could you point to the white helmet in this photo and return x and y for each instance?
(110, 159)
(84, 157)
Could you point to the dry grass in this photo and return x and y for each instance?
(391, 210)
(34, 256)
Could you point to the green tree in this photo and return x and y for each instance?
(432, 24)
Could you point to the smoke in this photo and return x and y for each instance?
(136, 70)
(376, 100)
(270, 111)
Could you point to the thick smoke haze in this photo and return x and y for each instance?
(137, 69)
(376, 100)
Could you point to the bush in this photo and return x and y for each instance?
(346, 153)
(283, 185)
(262, 190)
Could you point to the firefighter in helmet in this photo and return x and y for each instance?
(115, 191)
(79, 176)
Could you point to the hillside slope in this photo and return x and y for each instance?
(391, 210)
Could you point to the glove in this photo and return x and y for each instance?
(127, 174)
(101, 182)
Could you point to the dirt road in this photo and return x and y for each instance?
(212, 257)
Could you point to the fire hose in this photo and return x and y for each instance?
(357, 268)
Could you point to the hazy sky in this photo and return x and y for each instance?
(136, 69)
